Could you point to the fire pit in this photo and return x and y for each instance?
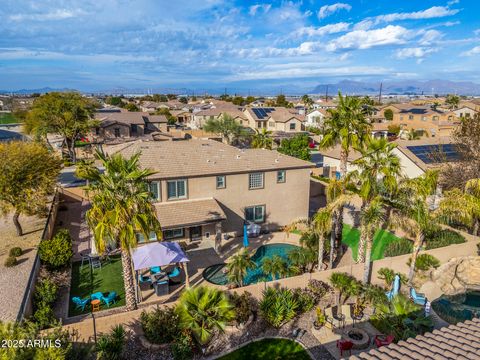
(358, 337)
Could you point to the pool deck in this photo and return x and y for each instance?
(203, 255)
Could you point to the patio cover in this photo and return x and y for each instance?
(157, 254)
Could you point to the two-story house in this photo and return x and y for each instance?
(275, 119)
(203, 188)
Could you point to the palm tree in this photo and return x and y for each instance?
(238, 266)
(302, 257)
(262, 139)
(204, 310)
(120, 207)
(413, 134)
(322, 226)
(463, 206)
(307, 101)
(452, 101)
(412, 212)
(372, 216)
(275, 266)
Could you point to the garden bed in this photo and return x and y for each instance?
(269, 349)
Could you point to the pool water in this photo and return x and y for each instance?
(458, 308)
(216, 274)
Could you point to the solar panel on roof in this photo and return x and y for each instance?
(430, 154)
(257, 113)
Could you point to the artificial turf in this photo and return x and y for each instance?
(351, 237)
(105, 279)
(269, 349)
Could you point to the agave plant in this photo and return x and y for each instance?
(110, 346)
(278, 306)
(204, 310)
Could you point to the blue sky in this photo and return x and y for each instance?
(241, 45)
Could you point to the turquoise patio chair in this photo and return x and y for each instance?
(417, 298)
(395, 288)
(111, 298)
(96, 296)
(79, 303)
(155, 270)
(175, 272)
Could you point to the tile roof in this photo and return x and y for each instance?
(189, 212)
(195, 157)
(461, 341)
(128, 118)
(278, 114)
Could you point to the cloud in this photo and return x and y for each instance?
(328, 10)
(477, 32)
(472, 52)
(322, 30)
(255, 8)
(59, 14)
(365, 39)
(415, 52)
(430, 36)
(453, 2)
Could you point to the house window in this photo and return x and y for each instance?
(221, 184)
(177, 189)
(424, 118)
(401, 118)
(134, 129)
(450, 117)
(117, 132)
(271, 123)
(410, 117)
(280, 176)
(173, 233)
(292, 126)
(435, 118)
(255, 181)
(255, 213)
(141, 238)
(155, 190)
(97, 131)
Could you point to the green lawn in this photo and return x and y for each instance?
(108, 278)
(351, 237)
(269, 349)
(8, 118)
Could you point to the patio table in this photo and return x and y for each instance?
(95, 305)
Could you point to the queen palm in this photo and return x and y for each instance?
(204, 310)
(275, 266)
(238, 266)
(262, 139)
(322, 226)
(120, 208)
(463, 206)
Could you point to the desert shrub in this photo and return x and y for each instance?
(243, 305)
(44, 316)
(318, 289)
(305, 300)
(56, 252)
(278, 306)
(346, 285)
(10, 261)
(400, 247)
(443, 238)
(160, 326)
(182, 346)
(45, 292)
(110, 346)
(15, 251)
(425, 262)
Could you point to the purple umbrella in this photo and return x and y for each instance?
(157, 254)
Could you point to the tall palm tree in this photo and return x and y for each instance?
(378, 171)
(452, 101)
(372, 217)
(204, 310)
(412, 212)
(238, 266)
(120, 207)
(262, 139)
(307, 101)
(463, 205)
(322, 226)
(275, 266)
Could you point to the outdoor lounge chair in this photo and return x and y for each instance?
(344, 345)
(395, 288)
(79, 303)
(347, 314)
(382, 340)
(332, 319)
(95, 262)
(417, 298)
(143, 279)
(155, 270)
(175, 272)
(111, 298)
(96, 296)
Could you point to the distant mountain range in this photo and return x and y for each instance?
(404, 87)
(32, 91)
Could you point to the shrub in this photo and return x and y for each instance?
(16, 251)
(425, 262)
(56, 252)
(278, 306)
(400, 247)
(160, 326)
(44, 316)
(45, 292)
(318, 289)
(243, 305)
(110, 346)
(443, 238)
(306, 300)
(10, 261)
(182, 346)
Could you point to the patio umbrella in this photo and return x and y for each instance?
(245, 235)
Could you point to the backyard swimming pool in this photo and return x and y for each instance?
(458, 308)
(216, 273)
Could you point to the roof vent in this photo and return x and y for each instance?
(238, 156)
(277, 160)
(208, 160)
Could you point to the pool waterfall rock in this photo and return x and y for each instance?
(458, 275)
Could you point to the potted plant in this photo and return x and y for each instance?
(319, 319)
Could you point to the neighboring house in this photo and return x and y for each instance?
(203, 188)
(324, 105)
(275, 119)
(128, 124)
(149, 106)
(214, 113)
(464, 111)
(416, 156)
(183, 117)
(315, 118)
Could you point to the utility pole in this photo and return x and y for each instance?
(380, 94)
(326, 94)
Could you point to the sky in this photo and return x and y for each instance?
(98, 45)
